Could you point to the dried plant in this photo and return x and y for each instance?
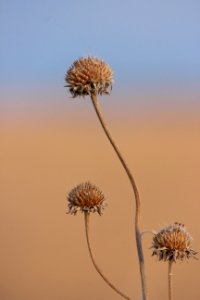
(87, 198)
(91, 76)
(170, 244)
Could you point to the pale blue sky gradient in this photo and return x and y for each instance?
(143, 41)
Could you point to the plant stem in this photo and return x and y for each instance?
(87, 214)
(136, 194)
(170, 280)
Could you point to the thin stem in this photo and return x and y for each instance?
(136, 194)
(170, 280)
(87, 214)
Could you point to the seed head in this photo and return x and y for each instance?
(85, 197)
(173, 243)
(89, 75)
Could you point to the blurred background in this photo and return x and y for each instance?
(51, 142)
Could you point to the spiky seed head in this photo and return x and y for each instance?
(86, 197)
(173, 243)
(88, 76)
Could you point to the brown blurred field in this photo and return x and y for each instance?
(44, 153)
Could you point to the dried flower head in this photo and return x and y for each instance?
(86, 197)
(173, 243)
(89, 75)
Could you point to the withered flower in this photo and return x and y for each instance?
(88, 76)
(172, 243)
(86, 197)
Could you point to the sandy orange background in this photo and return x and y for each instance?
(46, 152)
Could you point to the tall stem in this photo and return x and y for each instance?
(136, 194)
(170, 296)
(87, 214)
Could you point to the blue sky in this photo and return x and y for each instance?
(143, 41)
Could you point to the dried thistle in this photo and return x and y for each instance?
(86, 197)
(172, 243)
(89, 76)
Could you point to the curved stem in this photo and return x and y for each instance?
(93, 259)
(170, 280)
(136, 194)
